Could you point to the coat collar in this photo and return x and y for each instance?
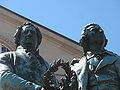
(109, 59)
(106, 61)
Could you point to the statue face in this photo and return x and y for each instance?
(96, 35)
(28, 37)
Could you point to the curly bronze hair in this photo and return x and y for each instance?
(18, 34)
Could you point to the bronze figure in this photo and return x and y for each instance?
(99, 69)
(24, 68)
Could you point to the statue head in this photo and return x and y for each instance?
(28, 35)
(93, 37)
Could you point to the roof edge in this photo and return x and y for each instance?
(39, 25)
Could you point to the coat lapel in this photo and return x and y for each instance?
(105, 61)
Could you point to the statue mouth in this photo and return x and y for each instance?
(28, 44)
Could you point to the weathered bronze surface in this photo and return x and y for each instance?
(24, 68)
(99, 69)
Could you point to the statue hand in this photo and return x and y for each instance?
(55, 65)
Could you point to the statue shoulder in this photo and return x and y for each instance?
(6, 55)
(7, 61)
(113, 54)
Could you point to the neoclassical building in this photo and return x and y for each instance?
(53, 46)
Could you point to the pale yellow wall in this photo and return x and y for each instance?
(6, 34)
(53, 46)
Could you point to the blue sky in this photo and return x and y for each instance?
(68, 17)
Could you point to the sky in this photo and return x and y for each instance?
(68, 17)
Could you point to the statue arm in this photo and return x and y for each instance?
(9, 80)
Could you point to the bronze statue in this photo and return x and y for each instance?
(99, 69)
(24, 68)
